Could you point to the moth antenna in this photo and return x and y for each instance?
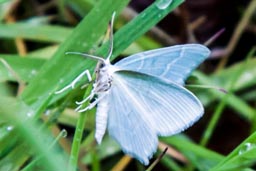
(111, 41)
(214, 37)
(208, 87)
(87, 56)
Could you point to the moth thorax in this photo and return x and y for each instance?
(103, 81)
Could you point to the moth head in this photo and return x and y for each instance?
(100, 66)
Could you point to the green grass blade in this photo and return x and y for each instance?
(42, 33)
(26, 68)
(235, 102)
(241, 157)
(31, 134)
(200, 157)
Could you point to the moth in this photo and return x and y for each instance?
(142, 96)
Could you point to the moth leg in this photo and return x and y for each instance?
(90, 106)
(72, 84)
(86, 99)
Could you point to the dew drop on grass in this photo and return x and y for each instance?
(47, 112)
(33, 72)
(163, 4)
(9, 128)
(78, 130)
(29, 114)
(64, 133)
(143, 15)
(247, 76)
(159, 15)
(246, 147)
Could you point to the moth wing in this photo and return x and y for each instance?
(143, 106)
(174, 63)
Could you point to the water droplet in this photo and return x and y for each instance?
(47, 112)
(247, 76)
(61, 81)
(159, 15)
(143, 15)
(9, 128)
(30, 114)
(246, 147)
(33, 72)
(64, 133)
(163, 4)
(78, 130)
